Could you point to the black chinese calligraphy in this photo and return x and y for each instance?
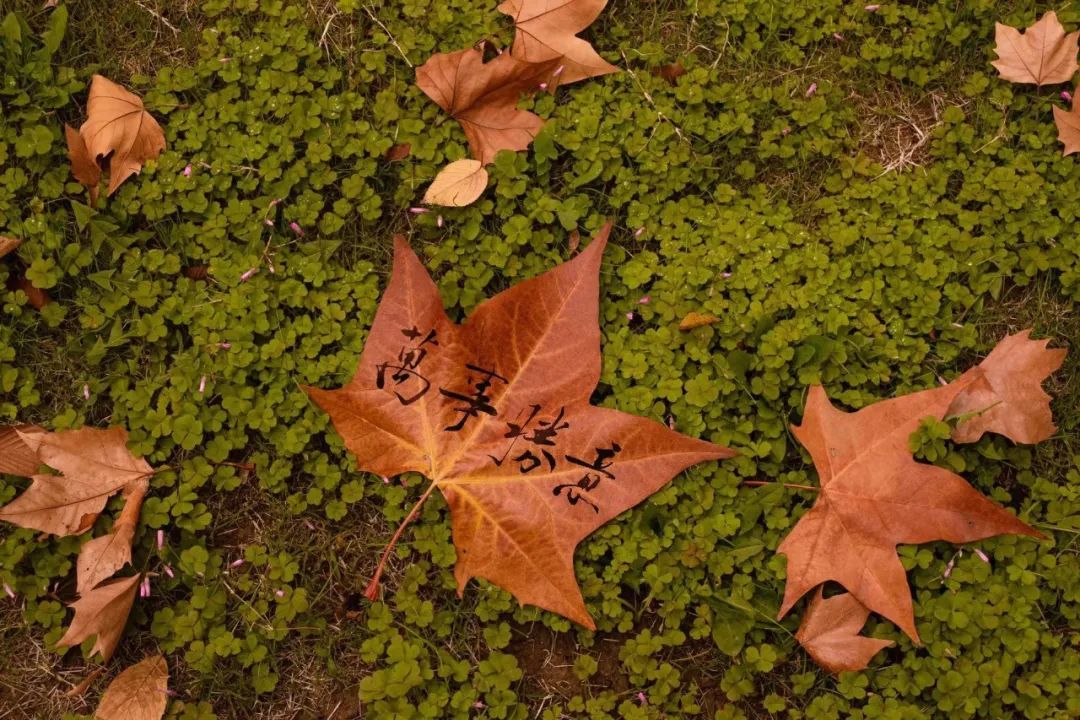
(475, 402)
(543, 435)
(595, 471)
(409, 385)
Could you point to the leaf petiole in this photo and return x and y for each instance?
(371, 592)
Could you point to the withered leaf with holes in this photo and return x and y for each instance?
(496, 413)
(118, 126)
(547, 30)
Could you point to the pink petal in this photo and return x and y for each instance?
(726, 275)
(86, 392)
(418, 211)
(169, 571)
(224, 346)
(630, 315)
(160, 539)
(439, 221)
(385, 480)
(811, 90)
(295, 226)
(837, 36)
(187, 170)
(1066, 96)
(872, 8)
(280, 593)
(558, 71)
(644, 300)
(982, 556)
(642, 699)
(10, 593)
(247, 275)
(639, 232)
(268, 222)
(543, 86)
(202, 384)
(236, 563)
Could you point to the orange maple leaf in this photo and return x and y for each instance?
(1043, 54)
(496, 413)
(547, 30)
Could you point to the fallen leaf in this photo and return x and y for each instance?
(458, 184)
(1007, 395)
(398, 152)
(496, 413)
(547, 30)
(696, 320)
(101, 557)
(16, 457)
(80, 689)
(118, 123)
(830, 629)
(196, 272)
(83, 167)
(1043, 54)
(95, 465)
(102, 612)
(574, 242)
(483, 97)
(1068, 127)
(671, 72)
(140, 692)
(8, 244)
(874, 496)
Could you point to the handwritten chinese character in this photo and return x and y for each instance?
(476, 402)
(576, 492)
(409, 359)
(543, 434)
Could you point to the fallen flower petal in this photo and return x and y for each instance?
(247, 275)
(295, 227)
(811, 90)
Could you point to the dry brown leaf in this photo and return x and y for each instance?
(100, 558)
(140, 692)
(696, 320)
(496, 413)
(671, 72)
(874, 495)
(83, 167)
(547, 30)
(118, 123)
(95, 465)
(16, 457)
(398, 152)
(483, 97)
(1007, 394)
(8, 244)
(574, 242)
(102, 612)
(458, 184)
(1043, 54)
(37, 297)
(830, 629)
(1068, 126)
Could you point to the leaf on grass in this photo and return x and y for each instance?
(483, 97)
(102, 612)
(16, 457)
(695, 320)
(37, 297)
(8, 244)
(95, 465)
(547, 30)
(496, 413)
(1043, 54)
(117, 123)
(1007, 396)
(140, 692)
(830, 629)
(874, 496)
(1068, 127)
(398, 152)
(671, 72)
(101, 557)
(83, 167)
(458, 184)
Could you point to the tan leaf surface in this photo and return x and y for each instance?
(102, 612)
(1043, 54)
(458, 184)
(118, 123)
(547, 30)
(100, 558)
(874, 496)
(95, 465)
(483, 97)
(1068, 127)
(830, 629)
(1007, 393)
(496, 413)
(83, 167)
(140, 692)
(8, 244)
(16, 457)
(695, 320)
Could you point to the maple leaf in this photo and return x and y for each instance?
(457, 184)
(1068, 126)
(830, 629)
(1043, 54)
(8, 244)
(103, 612)
(83, 167)
(483, 97)
(101, 557)
(496, 413)
(95, 464)
(874, 496)
(1007, 396)
(547, 30)
(140, 692)
(117, 123)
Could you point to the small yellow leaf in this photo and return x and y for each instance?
(696, 320)
(458, 184)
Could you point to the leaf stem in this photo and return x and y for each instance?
(372, 590)
(790, 486)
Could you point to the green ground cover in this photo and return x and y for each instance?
(883, 232)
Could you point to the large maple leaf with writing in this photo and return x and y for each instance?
(874, 495)
(496, 413)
